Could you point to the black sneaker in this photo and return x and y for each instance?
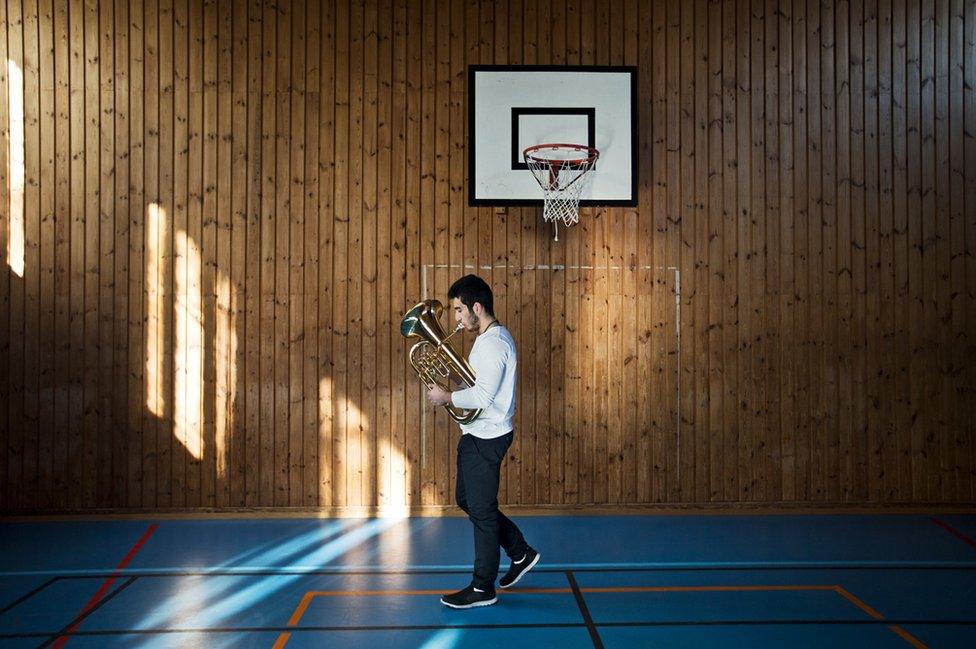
(469, 598)
(519, 568)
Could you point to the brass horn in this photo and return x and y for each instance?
(433, 357)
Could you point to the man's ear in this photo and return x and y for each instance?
(477, 309)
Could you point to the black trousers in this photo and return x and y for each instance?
(479, 462)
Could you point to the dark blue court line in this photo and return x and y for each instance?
(434, 627)
(73, 624)
(552, 567)
(556, 568)
(26, 597)
(584, 611)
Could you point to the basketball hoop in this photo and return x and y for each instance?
(561, 171)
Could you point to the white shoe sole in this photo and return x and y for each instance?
(538, 555)
(487, 602)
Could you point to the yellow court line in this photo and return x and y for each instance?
(306, 600)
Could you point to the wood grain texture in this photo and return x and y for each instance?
(227, 205)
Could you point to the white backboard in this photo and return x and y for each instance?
(513, 107)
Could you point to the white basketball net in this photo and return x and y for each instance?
(561, 171)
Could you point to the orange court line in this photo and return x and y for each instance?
(908, 637)
(858, 603)
(840, 590)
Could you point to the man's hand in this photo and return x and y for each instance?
(438, 396)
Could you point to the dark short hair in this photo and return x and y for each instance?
(470, 289)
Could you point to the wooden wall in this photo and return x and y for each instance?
(214, 214)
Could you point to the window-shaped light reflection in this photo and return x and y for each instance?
(188, 354)
(15, 169)
(225, 355)
(443, 639)
(155, 243)
(340, 416)
(326, 432)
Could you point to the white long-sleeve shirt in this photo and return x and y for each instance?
(495, 363)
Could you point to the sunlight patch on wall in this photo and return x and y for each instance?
(155, 224)
(225, 349)
(393, 497)
(15, 169)
(326, 488)
(188, 354)
(359, 480)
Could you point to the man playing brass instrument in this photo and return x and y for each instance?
(483, 444)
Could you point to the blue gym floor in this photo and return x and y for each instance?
(604, 581)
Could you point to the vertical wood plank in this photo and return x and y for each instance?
(137, 285)
(120, 285)
(741, 261)
(211, 350)
(222, 339)
(15, 368)
(941, 266)
(7, 486)
(107, 258)
(819, 466)
(969, 100)
(716, 215)
(959, 447)
(200, 249)
(628, 235)
(354, 413)
(414, 391)
(586, 281)
(402, 374)
(340, 467)
(886, 458)
(327, 395)
(369, 256)
(152, 212)
(571, 333)
(269, 455)
(771, 486)
(385, 312)
(786, 394)
(166, 488)
(667, 263)
(296, 252)
(312, 469)
(62, 269)
(657, 102)
(702, 275)
(34, 365)
(853, 213)
(92, 254)
(254, 340)
(438, 114)
(929, 453)
(838, 484)
(899, 485)
(970, 112)
(729, 296)
(281, 226)
(914, 149)
(48, 253)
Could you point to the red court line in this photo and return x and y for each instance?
(106, 585)
(951, 530)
